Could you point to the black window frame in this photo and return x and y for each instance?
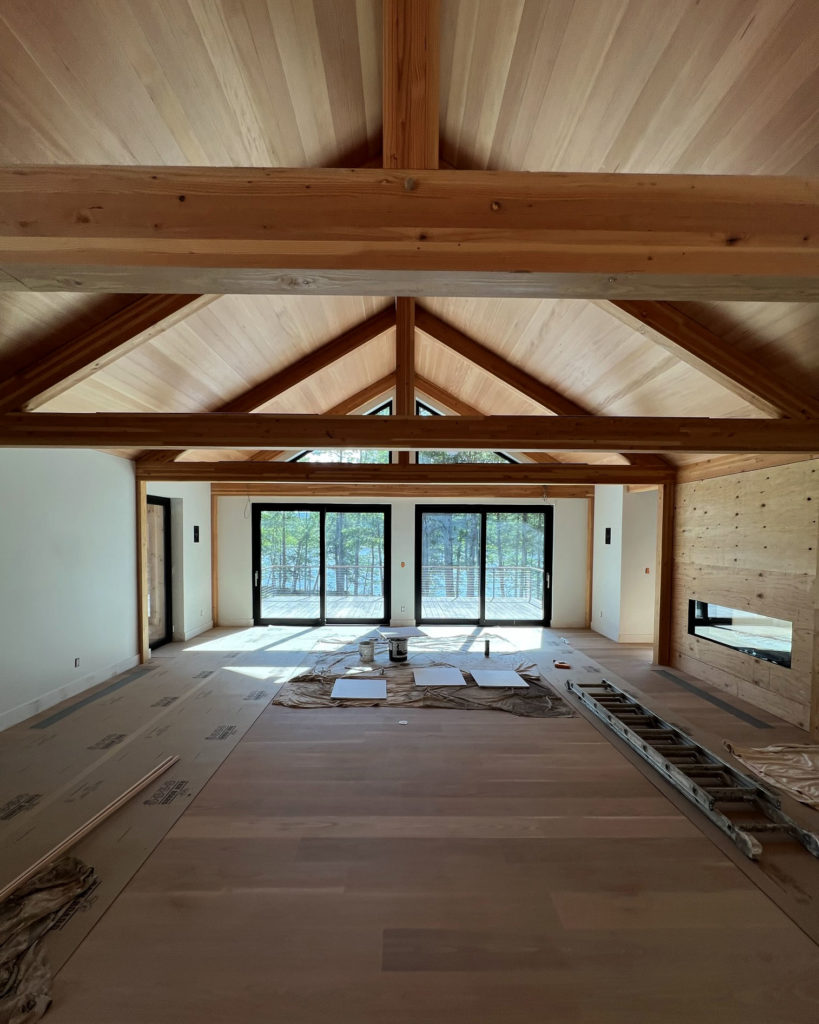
(484, 510)
(388, 404)
(258, 507)
(432, 411)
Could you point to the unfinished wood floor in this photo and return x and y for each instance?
(462, 867)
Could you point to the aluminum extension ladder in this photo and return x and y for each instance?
(717, 788)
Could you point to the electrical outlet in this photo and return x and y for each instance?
(76, 663)
(403, 607)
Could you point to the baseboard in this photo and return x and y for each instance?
(395, 623)
(636, 638)
(33, 707)
(191, 633)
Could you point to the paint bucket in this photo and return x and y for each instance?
(398, 648)
(366, 650)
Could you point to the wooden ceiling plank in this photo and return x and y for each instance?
(411, 44)
(298, 371)
(730, 465)
(378, 389)
(495, 474)
(506, 433)
(78, 359)
(438, 394)
(510, 374)
(364, 231)
(681, 335)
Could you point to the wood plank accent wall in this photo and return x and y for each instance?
(750, 541)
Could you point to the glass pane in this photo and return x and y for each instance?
(354, 550)
(758, 635)
(450, 565)
(353, 455)
(461, 457)
(514, 565)
(290, 553)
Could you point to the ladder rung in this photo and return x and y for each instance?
(729, 793)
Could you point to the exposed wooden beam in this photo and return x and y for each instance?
(46, 378)
(510, 374)
(729, 465)
(369, 231)
(696, 345)
(373, 490)
(443, 397)
(507, 433)
(410, 83)
(663, 593)
(378, 389)
(404, 361)
(496, 473)
(298, 371)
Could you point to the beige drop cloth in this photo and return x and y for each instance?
(791, 767)
(312, 690)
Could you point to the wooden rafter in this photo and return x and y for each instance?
(496, 473)
(438, 394)
(297, 372)
(682, 336)
(373, 391)
(363, 231)
(76, 360)
(510, 374)
(507, 433)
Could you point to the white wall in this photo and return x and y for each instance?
(67, 575)
(190, 561)
(608, 513)
(639, 554)
(568, 574)
(622, 591)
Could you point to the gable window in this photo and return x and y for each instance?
(357, 456)
(476, 456)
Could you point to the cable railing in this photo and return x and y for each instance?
(353, 580)
(520, 582)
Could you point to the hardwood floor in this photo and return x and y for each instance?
(370, 865)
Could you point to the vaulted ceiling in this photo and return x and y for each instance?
(650, 86)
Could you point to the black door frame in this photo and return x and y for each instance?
(483, 510)
(258, 508)
(165, 503)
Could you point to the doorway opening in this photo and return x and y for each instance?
(314, 564)
(483, 565)
(160, 611)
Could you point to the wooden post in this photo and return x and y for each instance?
(665, 568)
(411, 44)
(214, 556)
(589, 560)
(143, 645)
(404, 362)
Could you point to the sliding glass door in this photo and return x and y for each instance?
(320, 563)
(483, 564)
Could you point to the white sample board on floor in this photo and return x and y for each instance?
(498, 678)
(359, 689)
(438, 677)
